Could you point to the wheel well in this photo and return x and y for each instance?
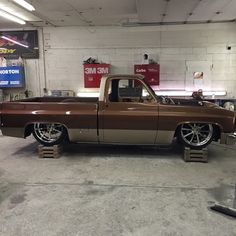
(177, 130)
(30, 127)
(217, 131)
(28, 130)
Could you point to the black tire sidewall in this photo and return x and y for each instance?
(182, 141)
(56, 142)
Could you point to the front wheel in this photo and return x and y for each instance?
(195, 135)
(49, 134)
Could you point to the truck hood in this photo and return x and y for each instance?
(194, 102)
(210, 104)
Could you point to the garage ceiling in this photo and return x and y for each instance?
(122, 12)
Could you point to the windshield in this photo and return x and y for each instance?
(159, 98)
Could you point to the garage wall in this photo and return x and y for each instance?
(35, 70)
(180, 50)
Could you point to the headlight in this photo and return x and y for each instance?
(229, 106)
(235, 123)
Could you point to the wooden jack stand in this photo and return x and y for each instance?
(50, 151)
(192, 155)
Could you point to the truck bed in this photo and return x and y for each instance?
(59, 99)
(75, 113)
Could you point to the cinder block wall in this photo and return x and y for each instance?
(180, 50)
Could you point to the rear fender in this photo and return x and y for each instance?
(29, 127)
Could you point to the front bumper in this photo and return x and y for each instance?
(228, 138)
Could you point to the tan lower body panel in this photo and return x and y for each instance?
(129, 136)
(83, 135)
(13, 132)
(145, 137)
(164, 137)
(113, 136)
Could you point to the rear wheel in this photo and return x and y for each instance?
(49, 134)
(196, 135)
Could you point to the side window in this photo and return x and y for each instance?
(129, 90)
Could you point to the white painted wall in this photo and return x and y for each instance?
(180, 50)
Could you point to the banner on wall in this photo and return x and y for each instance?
(12, 77)
(198, 80)
(93, 74)
(19, 43)
(151, 73)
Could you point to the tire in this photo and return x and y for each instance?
(49, 134)
(196, 135)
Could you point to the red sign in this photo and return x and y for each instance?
(151, 73)
(93, 74)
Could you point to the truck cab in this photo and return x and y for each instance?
(128, 111)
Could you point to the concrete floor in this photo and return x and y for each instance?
(109, 191)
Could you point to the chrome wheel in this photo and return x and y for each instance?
(49, 134)
(196, 134)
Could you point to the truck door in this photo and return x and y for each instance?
(129, 114)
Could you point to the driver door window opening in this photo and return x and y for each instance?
(129, 90)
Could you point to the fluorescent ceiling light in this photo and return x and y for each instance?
(188, 93)
(177, 93)
(88, 94)
(173, 93)
(14, 41)
(25, 4)
(14, 13)
(11, 17)
(212, 93)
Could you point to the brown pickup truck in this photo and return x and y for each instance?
(126, 112)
